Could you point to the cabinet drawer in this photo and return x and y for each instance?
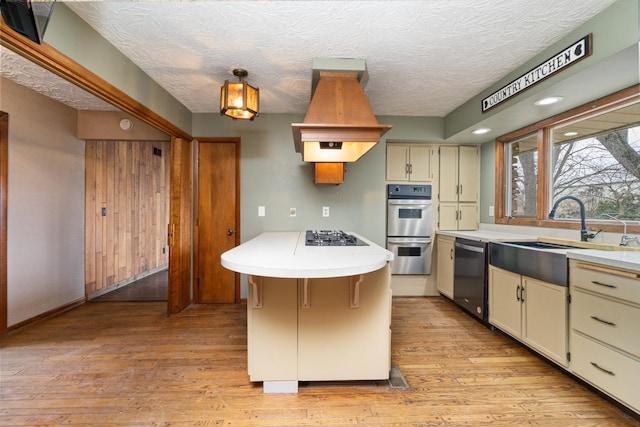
(612, 372)
(611, 284)
(611, 322)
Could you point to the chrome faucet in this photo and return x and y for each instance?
(584, 234)
(624, 241)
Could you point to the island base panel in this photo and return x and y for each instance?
(272, 338)
(311, 330)
(338, 342)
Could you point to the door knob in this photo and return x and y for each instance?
(229, 232)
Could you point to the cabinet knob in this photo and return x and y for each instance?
(229, 232)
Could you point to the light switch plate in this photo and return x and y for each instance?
(490, 210)
(261, 211)
(292, 212)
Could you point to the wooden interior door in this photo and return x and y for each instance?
(179, 233)
(217, 218)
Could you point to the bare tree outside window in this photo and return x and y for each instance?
(603, 170)
(522, 156)
(591, 152)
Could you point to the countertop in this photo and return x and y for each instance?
(284, 254)
(487, 236)
(625, 259)
(628, 260)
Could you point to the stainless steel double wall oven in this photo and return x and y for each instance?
(409, 228)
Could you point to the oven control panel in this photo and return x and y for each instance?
(408, 191)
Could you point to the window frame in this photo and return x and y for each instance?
(544, 129)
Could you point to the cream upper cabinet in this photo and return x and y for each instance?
(605, 314)
(445, 265)
(458, 187)
(410, 162)
(532, 311)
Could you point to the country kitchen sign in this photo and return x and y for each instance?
(558, 62)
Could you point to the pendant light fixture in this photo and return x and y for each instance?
(239, 100)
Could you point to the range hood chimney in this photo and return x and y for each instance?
(339, 125)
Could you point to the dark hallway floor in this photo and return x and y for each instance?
(150, 288)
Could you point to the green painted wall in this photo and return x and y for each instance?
(273, 175)
(73, 37)
(608, 69)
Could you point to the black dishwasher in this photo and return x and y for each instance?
(470, 277)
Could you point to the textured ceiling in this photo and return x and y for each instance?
(24, 72)
(424, 58)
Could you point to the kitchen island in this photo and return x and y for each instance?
(314, 313)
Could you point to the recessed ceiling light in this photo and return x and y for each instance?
(548, 100)
(572, 133)
(481, 131)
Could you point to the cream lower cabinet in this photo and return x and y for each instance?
(605, 344)
(532, 311)
(445, 265)
(320, 329)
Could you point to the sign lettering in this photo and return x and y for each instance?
(569, 56)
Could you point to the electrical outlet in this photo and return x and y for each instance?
(325, 211)
(292, 212)
(490, 210)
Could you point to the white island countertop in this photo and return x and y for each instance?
(284, 254)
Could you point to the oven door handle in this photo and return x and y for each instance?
(413, 202)
(409, 240)
(480, 250)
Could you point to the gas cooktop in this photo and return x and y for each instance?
(332, 238)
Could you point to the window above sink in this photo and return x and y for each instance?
(591, 152)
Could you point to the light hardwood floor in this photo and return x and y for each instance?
(129, 364)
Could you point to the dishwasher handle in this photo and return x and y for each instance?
(478, 249)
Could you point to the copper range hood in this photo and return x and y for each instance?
(339, 125)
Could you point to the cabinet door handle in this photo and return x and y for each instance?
(406, 168)
(522, 291)
(457, 190)
(606, 371)
(451, 253)
(597, 319)
(606, 285)
(306, 297)
(410, 168)
(460, 188)
(518, 293)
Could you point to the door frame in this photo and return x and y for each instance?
(180, 226)
(52, 60)
(197, 141)
(4, 188)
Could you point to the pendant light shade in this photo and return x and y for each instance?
(239, 100)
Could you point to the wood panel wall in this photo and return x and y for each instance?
(132, 183)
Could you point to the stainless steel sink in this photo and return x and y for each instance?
(540, 245)
(539, 260)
